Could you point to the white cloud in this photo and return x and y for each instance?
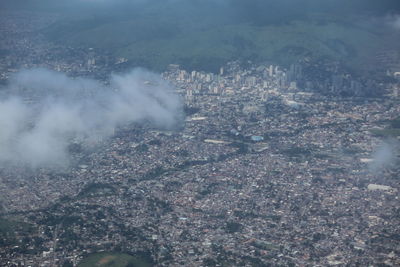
(38, 134)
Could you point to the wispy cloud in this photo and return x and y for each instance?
(394, 21)
(61, 108)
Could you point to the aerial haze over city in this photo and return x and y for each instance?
(199, 133)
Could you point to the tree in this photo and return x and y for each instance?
(67, 264)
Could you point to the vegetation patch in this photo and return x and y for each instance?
(392, 130)
(9, 230)
(297, 152)
(97, 189)
(112, 259)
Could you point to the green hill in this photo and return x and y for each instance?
(206, 34)
(156, 47)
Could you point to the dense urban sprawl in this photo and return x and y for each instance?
(266, 169)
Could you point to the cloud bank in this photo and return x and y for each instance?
(384, 155)
(41, 111)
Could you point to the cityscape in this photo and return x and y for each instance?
(266, 165)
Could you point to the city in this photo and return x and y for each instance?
(268, 167)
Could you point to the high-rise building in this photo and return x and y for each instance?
(293, 86)
(182, 75)
(264, 95)
(271, 71)
(396, 91)
(189, 95)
